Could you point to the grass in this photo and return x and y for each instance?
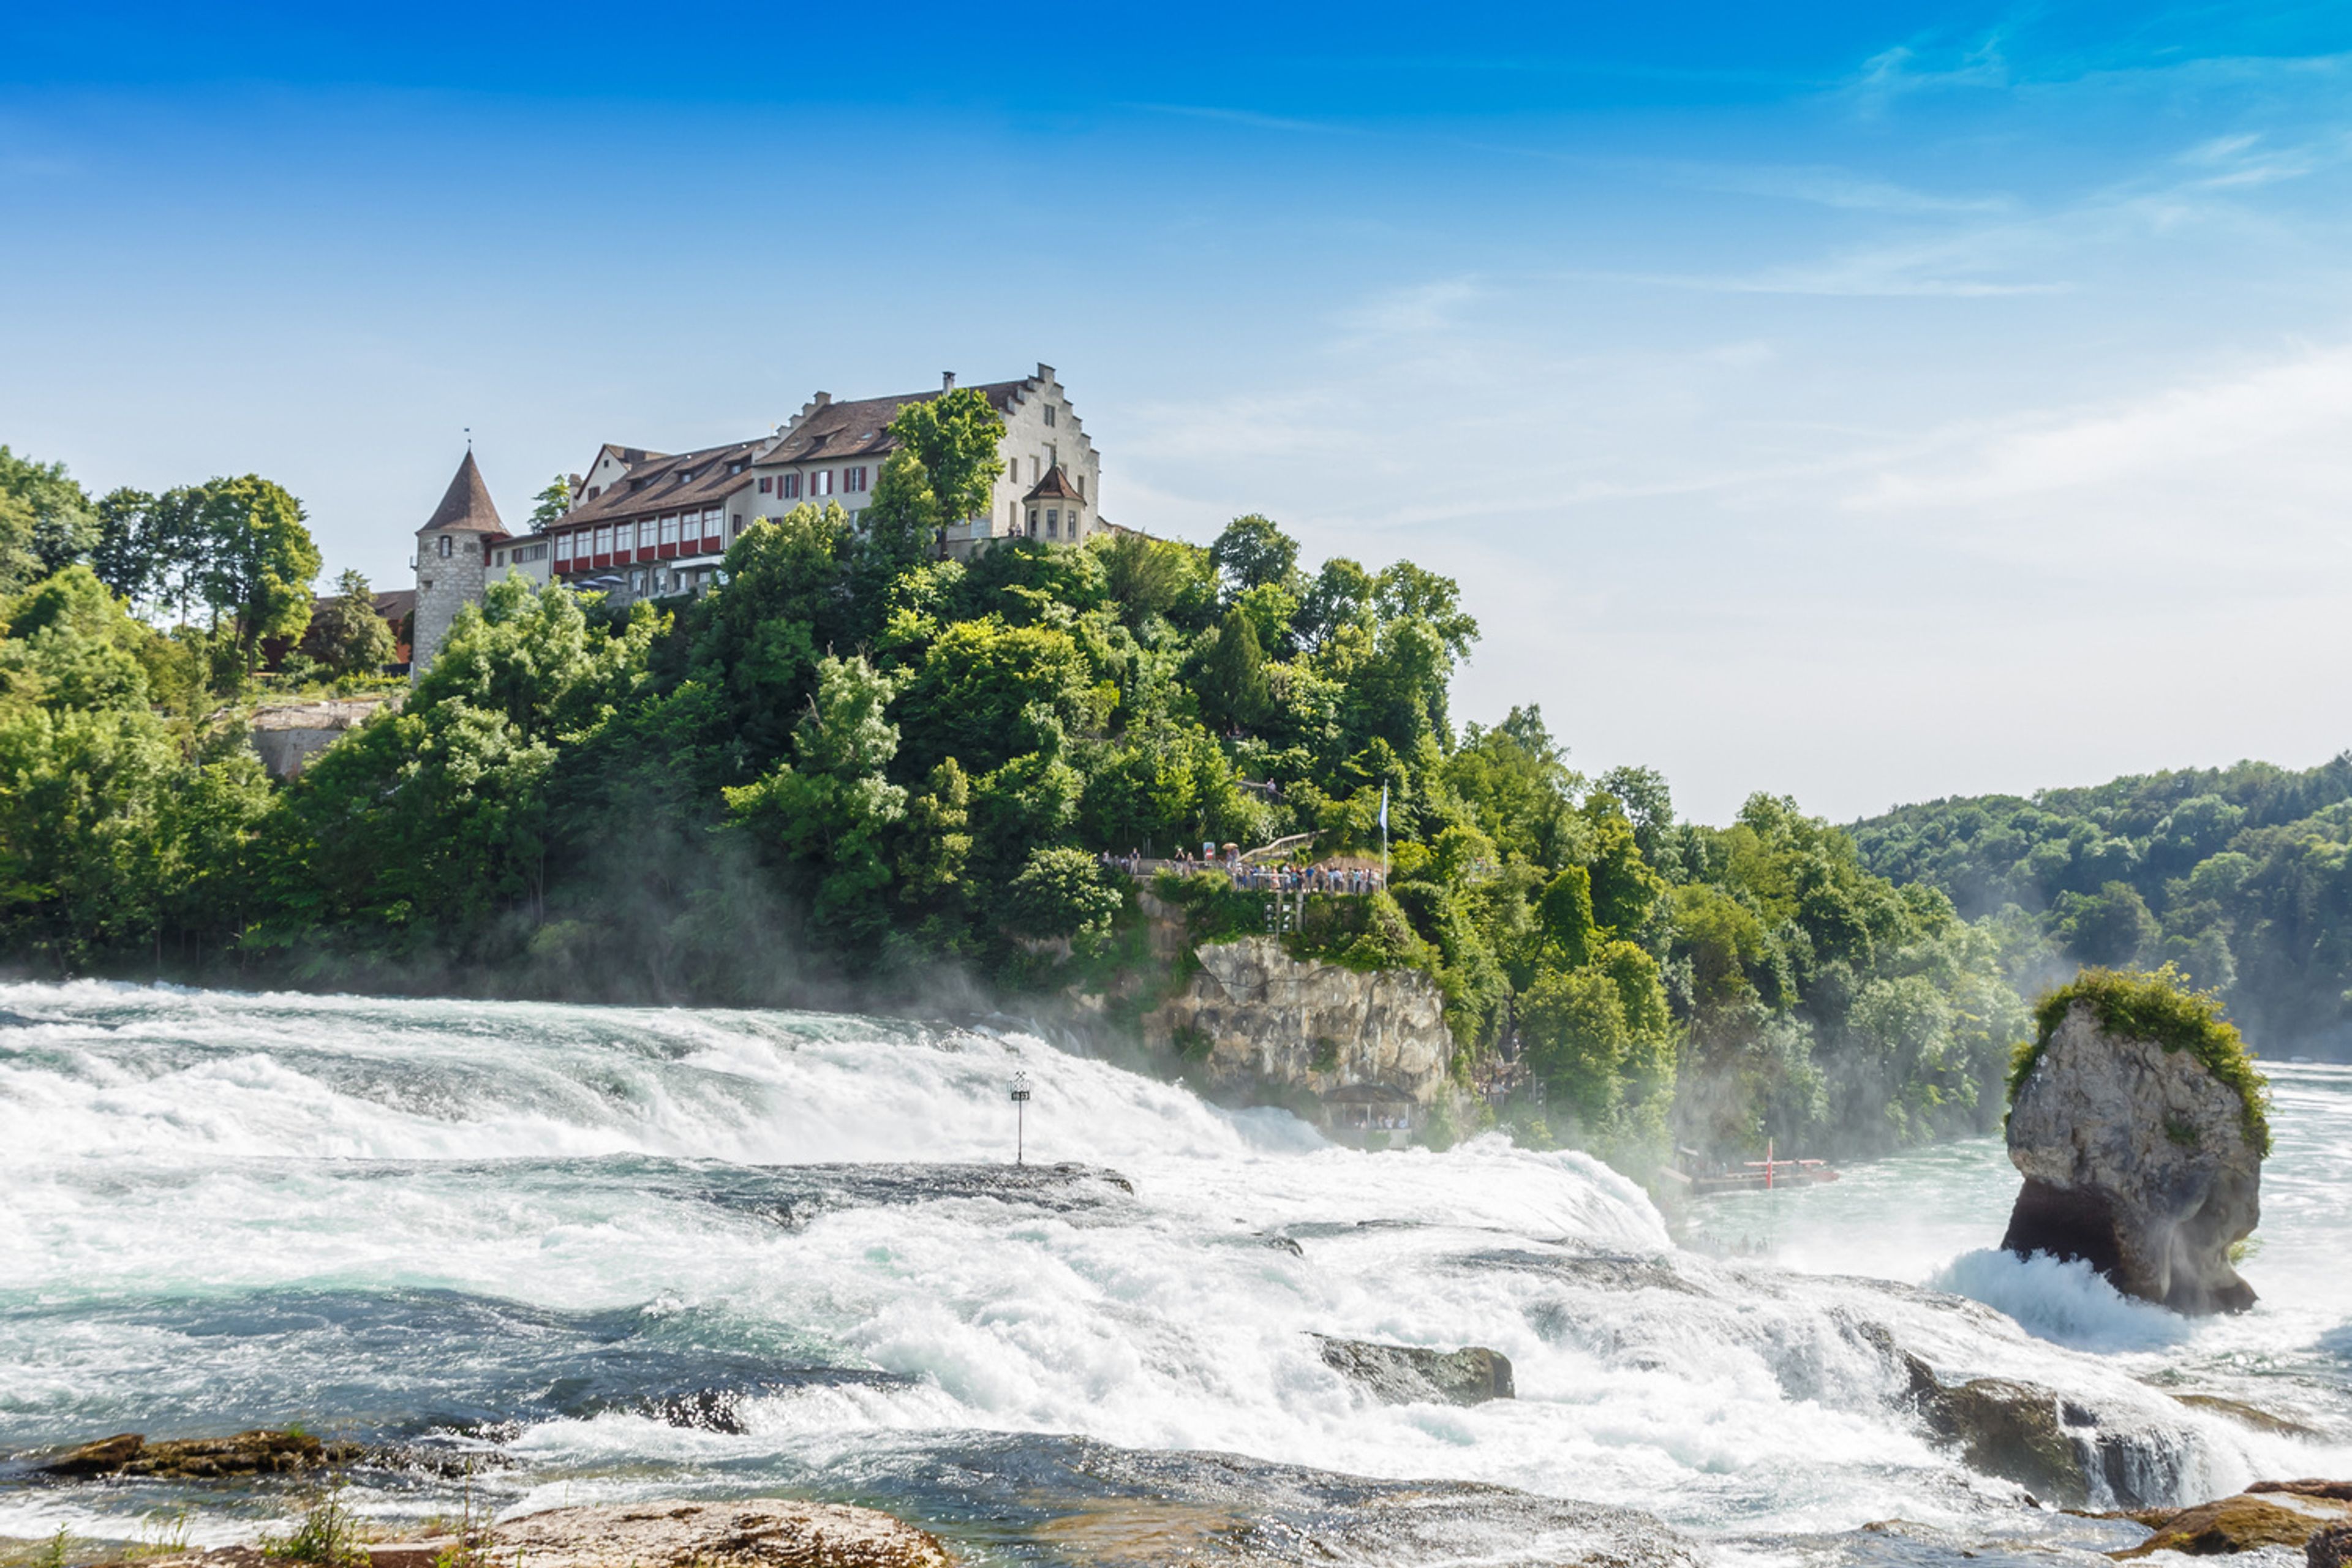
(2159, 1007)
(327, 1536)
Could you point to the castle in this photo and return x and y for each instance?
(645, 524)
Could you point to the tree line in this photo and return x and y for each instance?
(855, 771)
(2242, 876)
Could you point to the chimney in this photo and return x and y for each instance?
(947, 380)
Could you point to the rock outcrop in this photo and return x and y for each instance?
(2138, 1159)
(1258, 1019)
(255, 1453)
(2330, 1548)
(1410, 1374)
(2268, 1513)
(751, 1532)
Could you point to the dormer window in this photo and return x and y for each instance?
(734, 467)
(684, 475)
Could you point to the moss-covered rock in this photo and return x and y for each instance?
(2136, 1120)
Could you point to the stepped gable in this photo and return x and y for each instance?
(466, 504)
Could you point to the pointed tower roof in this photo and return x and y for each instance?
(1054, 486)
(466, 505)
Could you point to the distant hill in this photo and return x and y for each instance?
(2241, 875)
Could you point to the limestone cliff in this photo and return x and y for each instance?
(1270, 1022)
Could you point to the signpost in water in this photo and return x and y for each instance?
(1020, 1107)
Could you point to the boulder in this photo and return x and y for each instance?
(2138, 1159)
(1410, 1374)
(2330, 1548)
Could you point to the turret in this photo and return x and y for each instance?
(452, 555)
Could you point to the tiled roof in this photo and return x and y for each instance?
(1054, 486)
(861, 429)
(466, 505)
(667, 484)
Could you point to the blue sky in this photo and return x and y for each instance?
(1865, 404)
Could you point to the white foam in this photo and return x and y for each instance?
(2069, 1303)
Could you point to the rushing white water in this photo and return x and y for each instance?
(399, 1218)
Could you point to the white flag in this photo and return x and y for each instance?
(1384, 808)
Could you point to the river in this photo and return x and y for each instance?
(619, 1253)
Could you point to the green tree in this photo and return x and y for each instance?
(1252, 552)
(552, 502)
(1233, 686)
(258, 562)
(62, 525)
(827, 814)
(1573, 1025)
(346, 635)
(1061, 892)
(955, 437)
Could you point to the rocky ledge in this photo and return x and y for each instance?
(754, 1532)
(2139, 1158)
(256, 1453)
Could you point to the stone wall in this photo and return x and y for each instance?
(287, 735)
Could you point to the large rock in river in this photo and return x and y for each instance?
(2137, 1156)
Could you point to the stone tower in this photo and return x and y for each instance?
(453, 551)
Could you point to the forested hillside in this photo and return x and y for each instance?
(2241, 876)
(857, 773)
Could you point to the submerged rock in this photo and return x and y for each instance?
(1410, 1374)
(2137, 1158)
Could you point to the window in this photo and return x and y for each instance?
(442, 546)
(734, 467)
(821, 482)
(563, 550)
(637, 582)
(1049, 416)
(624, 538)
(766, 484)
(1082, 487)
(789, 487)
(1053, 522)
(501, 559)
(603, 541)
(1033, 522)
(854, 478)
(712, 521)
(670, 531)
(685, 476)
(739, 522)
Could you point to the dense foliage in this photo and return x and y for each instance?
(2159, 1007)
(855, 770)
(2240, 875)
